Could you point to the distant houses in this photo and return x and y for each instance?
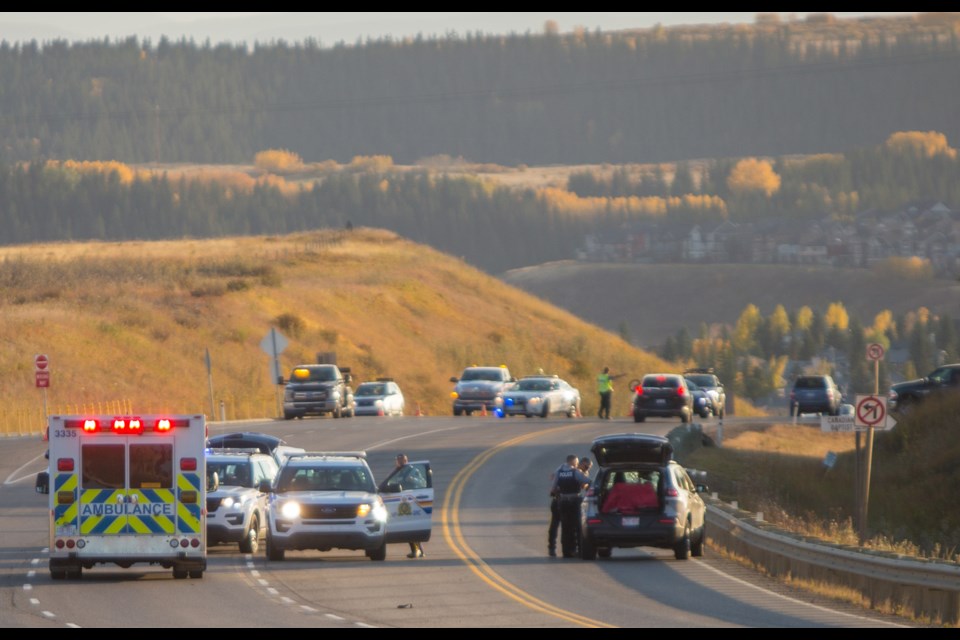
(929, 230)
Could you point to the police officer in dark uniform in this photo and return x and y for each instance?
(567, 485)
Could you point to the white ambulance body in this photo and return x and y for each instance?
(125, 490)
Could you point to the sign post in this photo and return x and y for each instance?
(273, 345)
(213, 408)
(870, 412)
(41, 366)
(875, 353)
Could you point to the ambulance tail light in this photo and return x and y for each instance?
(64, 464)
(91, 426)
(188, 464)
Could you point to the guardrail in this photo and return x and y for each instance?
(928, 589)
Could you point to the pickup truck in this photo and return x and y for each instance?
(480, 388)
(904, 395)
(318, 389)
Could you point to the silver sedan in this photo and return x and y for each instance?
(541, 396)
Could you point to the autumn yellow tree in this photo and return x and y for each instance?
(753, 176)
(278, 161)
(924, 143)
(779, 322)
(837, 317)
(745, 332)
(804, 318)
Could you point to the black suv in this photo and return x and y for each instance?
(815, 394)
(641, 497)
(904, 395)
(663, 395)
(318, 389)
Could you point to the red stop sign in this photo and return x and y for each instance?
(41, 362)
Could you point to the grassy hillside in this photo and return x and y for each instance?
(126, 325)
(914, 481)
(688, 295)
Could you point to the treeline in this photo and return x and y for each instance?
(495, 229)
(752, 356)
(908, 166)
(654, 95)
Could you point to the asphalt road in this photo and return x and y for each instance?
(485, 566)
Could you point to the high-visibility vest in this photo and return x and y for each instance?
(604, 383)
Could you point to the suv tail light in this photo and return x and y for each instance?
(639, 390)
(680, 391)
(672, 493)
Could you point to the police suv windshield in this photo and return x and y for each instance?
(492, 375)
(370, 390)
(326, 478)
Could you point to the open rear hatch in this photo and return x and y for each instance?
(631, 448)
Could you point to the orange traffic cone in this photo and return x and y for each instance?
(483, 411)
(419, 413)
(380, 411)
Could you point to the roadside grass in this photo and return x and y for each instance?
(129, 324)
(915, 478)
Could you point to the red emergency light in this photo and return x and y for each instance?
(91, 425)
(127, 425)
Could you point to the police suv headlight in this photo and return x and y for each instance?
(290, 510)
(288, 394)
(378, 510)
(229, 502)
(534, 400)
(335, 395)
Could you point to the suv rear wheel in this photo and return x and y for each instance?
(696, 548)
(681, 550)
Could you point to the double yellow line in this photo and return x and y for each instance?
(454, 537)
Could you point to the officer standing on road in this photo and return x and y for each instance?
(605, 388)
(567, 484)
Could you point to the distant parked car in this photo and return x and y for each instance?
(905, 395)
(664, 395)
(380, 398)
(702, 401)
(480, 389)
(541, 396)
(815, 394)
(707, 380)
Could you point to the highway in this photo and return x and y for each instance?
(486, 564)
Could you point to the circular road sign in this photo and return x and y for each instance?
(875, 351)
(41, 363)
(871, 411)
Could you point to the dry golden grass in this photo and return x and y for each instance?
(798, 440)
(130, 323)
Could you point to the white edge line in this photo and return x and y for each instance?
(795, 601)
(11, 480)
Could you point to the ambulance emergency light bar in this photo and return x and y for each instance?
(132, 425)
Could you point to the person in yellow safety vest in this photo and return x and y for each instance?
(605, 388)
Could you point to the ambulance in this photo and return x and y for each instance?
(125, 490)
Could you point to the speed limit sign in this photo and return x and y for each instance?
(874, 352)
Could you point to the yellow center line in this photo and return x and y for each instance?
(452, 533)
